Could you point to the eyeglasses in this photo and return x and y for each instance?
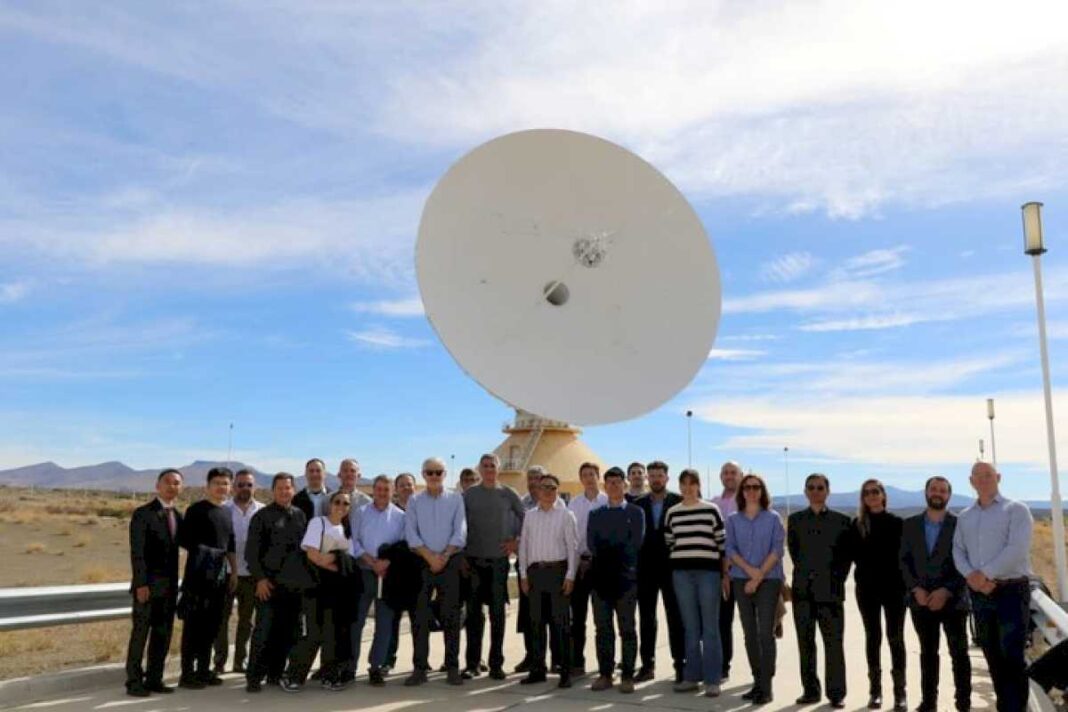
(870, 492)
(243, 485)
(433, 473)
(548, 487)
(815, 488)
(752, 488)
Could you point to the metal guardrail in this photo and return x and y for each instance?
(38, 607)
(1050, 619)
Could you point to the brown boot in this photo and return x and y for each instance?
(603, 682)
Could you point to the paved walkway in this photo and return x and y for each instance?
(485, 695)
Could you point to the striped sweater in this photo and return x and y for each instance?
(695, 535)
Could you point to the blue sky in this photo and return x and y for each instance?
(207, 215)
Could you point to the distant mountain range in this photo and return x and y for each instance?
(117, 476)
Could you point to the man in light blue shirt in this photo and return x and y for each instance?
(992, 550)
(378, 523)
(436, 529)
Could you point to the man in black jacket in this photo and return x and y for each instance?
(655, 576)
(313, 499)
(154, 586)
(276, 561)
(819, 543)
(937, 594)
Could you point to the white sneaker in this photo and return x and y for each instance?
(711, 690)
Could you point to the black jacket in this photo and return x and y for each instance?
(305, 504)
(934, 570)
(153, 551)
(404, 577)
(874, 555)
(654, 551)
(273, 546)
(820, 548)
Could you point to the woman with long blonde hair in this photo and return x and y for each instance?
(880, 589)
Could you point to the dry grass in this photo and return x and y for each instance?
(35, 548)
(1042, 552)
(101, 574)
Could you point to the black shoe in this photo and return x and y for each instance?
(578, 670)
(273, 681)
(753, 692)
(376, 678)
(253, 686)
(239, 668)
(386, 669)
(219, 668)
(523, 666)
(418, 677)
(645, 674)
(875, 701)
(837, 704)
(482, 667)
(470, 672)
(533, 678)
(211, 680)
(809, 698)
(565, 682)
(443, 668)
(762, 698)
(927, 706)
(136, 689)
(555, 669)
(901, 703)
(191, 683)
(454, 677)
(159, 688)
(679, 676)
(497, 674)
(291, 686)
(317, 675)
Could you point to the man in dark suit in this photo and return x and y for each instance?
(819, 543)
(937, 594)
(154, 586)
(654, 577)
(313, 499)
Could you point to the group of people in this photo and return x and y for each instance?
(306, 570)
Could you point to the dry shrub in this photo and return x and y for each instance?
(65, 531)
(80, 542)
(102, 574)
(35, 548)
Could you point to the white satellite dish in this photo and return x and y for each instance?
(568, 276)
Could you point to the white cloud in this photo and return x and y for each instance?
(383, 338)
(866, 323)
(11, 292)
(787, 268)
(412, 306)
(872, 263)
(734, 354)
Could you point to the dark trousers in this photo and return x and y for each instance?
(605, 614)
(757, 612)
(274, 634)
(153, 622)
(522, 625)
(489, 587)
(548, 606)
(245, 597)
(726, 630)
(199, 628)
(580, 608)
(317, 630)
(655, 581)
(928, 624)
(1001, 621)
(831, 620)
(874, 604)
(446, 584)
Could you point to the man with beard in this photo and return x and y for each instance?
(242, 507)
(312, 499)
(937, 594)
(730, 474)
(636, 481)
(992, 550)
(655, 579)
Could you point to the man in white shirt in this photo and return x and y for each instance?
(730, 474)
(548, 558)
(591, 498)
(242, 507)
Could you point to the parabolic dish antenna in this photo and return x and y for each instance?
(568, 276)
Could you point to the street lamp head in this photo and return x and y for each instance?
(990, 408)
(689, 414)
(1032, 226)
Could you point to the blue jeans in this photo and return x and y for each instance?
(698, 594)
(383, 623)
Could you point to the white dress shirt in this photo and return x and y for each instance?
(549, 536)
(240, 520)
(581, 506)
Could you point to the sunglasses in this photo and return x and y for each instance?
(433, 473)
(870, 492)
(752, 488)
(815, 488)
(548, 487)
(341, 504)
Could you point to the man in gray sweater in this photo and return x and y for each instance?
(493, 513)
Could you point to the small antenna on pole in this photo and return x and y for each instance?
(786, 468)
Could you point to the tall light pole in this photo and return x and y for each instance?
(689, 438)
(786, 468)
(1033, 245)
(230, 446)
(993, 447)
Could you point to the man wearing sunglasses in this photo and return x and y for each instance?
(818, 540)
(242, 506)
(436, 529)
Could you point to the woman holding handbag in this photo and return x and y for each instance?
(326, 541)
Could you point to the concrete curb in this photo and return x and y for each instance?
(24, 690)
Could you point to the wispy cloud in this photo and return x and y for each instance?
(734, 354)
(11, 292)
(865, 323)
(410, 307)
(384, 338)
(872, 263)
(787, 268)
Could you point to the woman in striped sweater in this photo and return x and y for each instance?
(695, 532)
